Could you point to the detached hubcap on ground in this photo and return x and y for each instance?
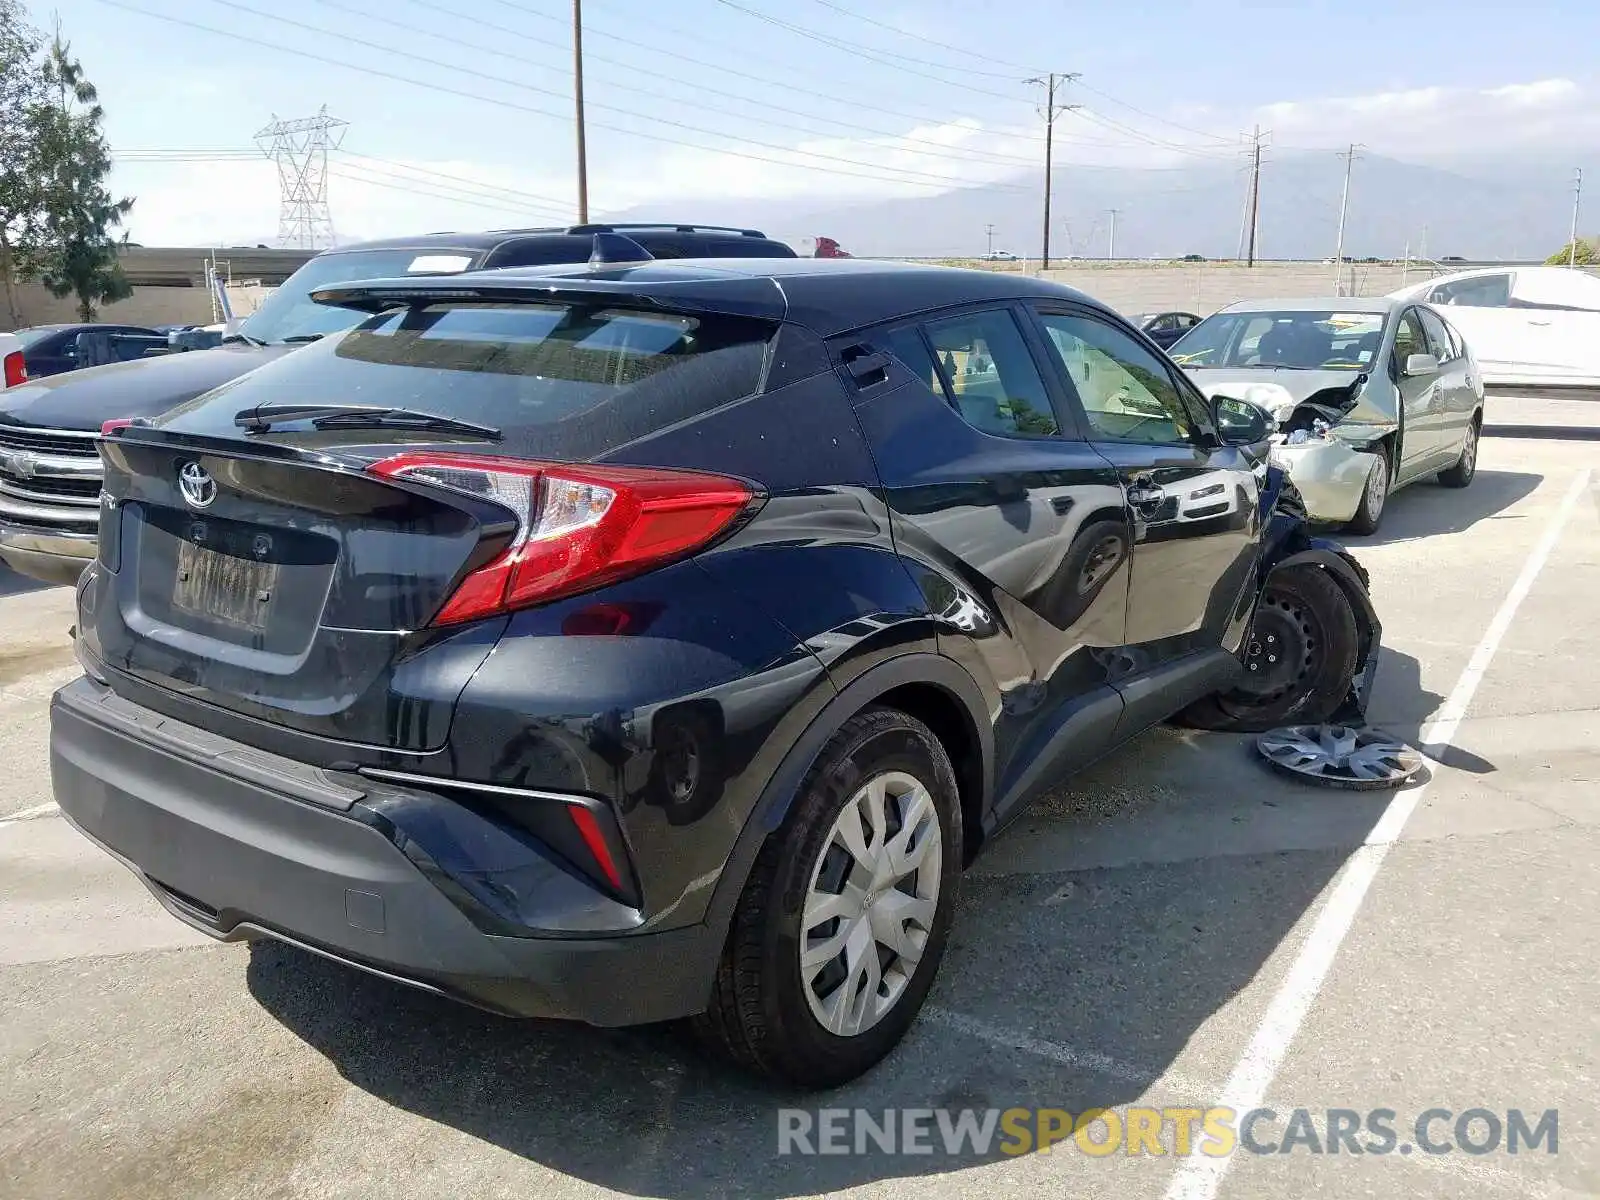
(1340, 755)
(871, 903)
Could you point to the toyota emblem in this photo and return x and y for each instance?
(196, 484)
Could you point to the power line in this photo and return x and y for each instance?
(1148, 115)
(943, 149)
(858, 52)
(323, 31)
(902, 177)
(853, 103)
(917, 37)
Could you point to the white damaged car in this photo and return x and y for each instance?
(1367, 395)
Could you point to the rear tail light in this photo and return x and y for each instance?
(578, 527)
(15, 369)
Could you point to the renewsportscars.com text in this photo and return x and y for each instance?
(1215, 1132)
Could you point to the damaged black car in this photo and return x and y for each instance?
(648, 640)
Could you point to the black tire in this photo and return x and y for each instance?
(1374, 497)
(1466, 466)
(1304, 614)
(759, 1015)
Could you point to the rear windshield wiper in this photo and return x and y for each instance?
(351, 416)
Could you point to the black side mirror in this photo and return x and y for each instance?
(1239, 422)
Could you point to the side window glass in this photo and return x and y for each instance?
(1482, 291)
(1126, 391)
(1408, 339)
(1438, 336)
(990, 374)
(907, 345)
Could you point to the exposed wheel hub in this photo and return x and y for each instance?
(1282, 650)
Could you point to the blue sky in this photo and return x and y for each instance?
(935, 102)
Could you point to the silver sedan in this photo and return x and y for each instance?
(1367, 395)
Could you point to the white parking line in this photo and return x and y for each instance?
(1067, 1056)
(47, 809)
(1199, 1178)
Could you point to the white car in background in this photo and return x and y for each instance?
(1528, 326)
(12, 369)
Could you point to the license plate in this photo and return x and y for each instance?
(233, 591)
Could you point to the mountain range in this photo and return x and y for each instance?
(1510, 208)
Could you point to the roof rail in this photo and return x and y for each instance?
(613, 227)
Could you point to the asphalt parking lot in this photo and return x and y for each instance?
(1177, 928)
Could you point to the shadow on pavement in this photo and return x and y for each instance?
(1125, 911)
(1426, 507)
(12, 584)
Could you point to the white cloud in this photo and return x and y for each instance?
(205, 203)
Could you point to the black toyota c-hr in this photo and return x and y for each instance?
(641, 640)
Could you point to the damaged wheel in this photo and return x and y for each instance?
(1299, 661)
(1373, 497)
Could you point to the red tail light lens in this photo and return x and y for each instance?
(115, 425)
(16, 370)
(579, 527)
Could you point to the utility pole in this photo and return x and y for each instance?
(1577, 196)
(1349, 157)
(577, 96)
(1111, 245)
(1255, 194)
(989, 229)
(1051, 111)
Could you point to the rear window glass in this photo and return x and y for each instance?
(591, 375)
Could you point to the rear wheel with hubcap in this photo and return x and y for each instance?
(1466, 466)
(842, 924)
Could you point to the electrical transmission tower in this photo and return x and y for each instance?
(300, 150)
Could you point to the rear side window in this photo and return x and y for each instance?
(576, 378)
(990, 374)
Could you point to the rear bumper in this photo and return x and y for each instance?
(53, 555)
(203, 826)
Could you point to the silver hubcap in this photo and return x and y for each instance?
(1469, 452)
(1377, 484)
(1340, 755)
(870, 906)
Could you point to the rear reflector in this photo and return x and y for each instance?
(579, 527)
(595, 840)
(15, 370)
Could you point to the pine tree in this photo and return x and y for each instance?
(23, 97)
(81, 217)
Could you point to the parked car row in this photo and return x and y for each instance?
(623, 639)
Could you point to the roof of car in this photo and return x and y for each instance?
(1349, 304)
(829, 296)
(488, 239)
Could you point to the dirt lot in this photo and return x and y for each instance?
(1176, 928)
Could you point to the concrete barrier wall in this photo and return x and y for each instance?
(147, 306)
(1205, 287)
